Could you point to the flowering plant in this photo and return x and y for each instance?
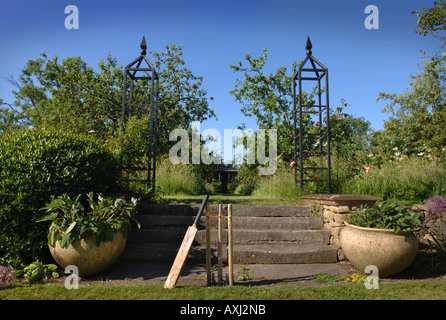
(7, 276)
(435, 220)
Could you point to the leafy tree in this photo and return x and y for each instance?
(71, 95)
(418, 117)
(433, 21)
(417, 122)
(182, 97)
(68, 95)
(9, 118)
(268, 99)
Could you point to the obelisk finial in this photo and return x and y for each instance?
(308, 46)
(143, 46)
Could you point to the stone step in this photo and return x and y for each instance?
(261, 234)
(300, 222)
(167, 252)
(251, 236)
(175, 235)
(237, 210)
(284, 253)
(242, 254)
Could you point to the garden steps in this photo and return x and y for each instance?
(261, 234)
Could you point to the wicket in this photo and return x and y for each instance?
(230, 275)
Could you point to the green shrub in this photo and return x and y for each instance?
(279, 185)
(232, 186)
(179, 179)
(246, 189)
(36, 164)
(216, 187)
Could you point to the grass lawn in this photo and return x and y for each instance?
(227, 198)
(406, 290)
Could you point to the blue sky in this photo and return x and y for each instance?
(215, 34)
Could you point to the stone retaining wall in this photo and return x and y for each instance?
(336, 209)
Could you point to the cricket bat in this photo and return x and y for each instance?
(181, 257)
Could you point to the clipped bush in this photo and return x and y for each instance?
(36, 164)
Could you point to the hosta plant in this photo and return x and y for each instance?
(387, 215)
(74, 219)
(38, 271)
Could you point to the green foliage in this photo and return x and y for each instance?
(246, 274)
(387, 215)
(38, 271)
(412, 179)
(182, 98)
(432, 21)
(70, 94)
(279, 185)
(268, 99)
(9, 118)
(34, 165)
(355, 278)
(216, 187)
(72, 221)
(245, 189)
(350, 146)
(326, 278)
(417, 122)
(179, 179)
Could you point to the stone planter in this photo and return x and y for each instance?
(336, 209)
(390, 252)
(87, 257)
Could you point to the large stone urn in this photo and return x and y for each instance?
(87, 257)
(390, 252)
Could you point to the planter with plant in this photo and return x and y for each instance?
(382, 235)
(90, 235)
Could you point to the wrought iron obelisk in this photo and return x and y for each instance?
(312, 148)
(142, 71)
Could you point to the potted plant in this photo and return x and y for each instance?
(383, 236)
(90, 235)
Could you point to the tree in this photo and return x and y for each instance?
(68, 95)
(417, 122)
(418, 116)
(72, 96)
(9, 117)
(182, 97)
(268, 99)
(433, 22)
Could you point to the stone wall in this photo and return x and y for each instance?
(336, 209)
